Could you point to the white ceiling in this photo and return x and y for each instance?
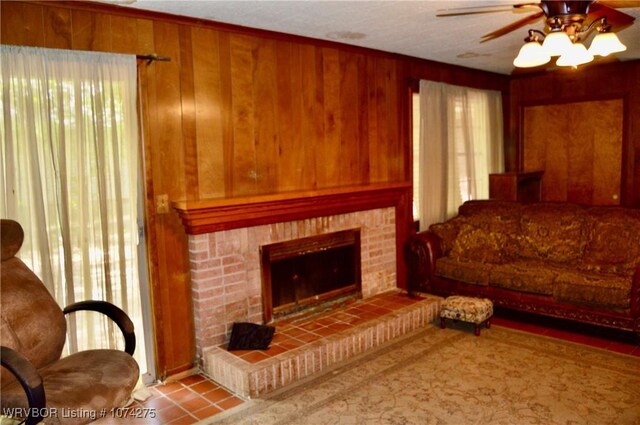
(408, 27)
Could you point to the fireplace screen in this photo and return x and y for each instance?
(303, 273)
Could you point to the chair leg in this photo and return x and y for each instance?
(443, 322)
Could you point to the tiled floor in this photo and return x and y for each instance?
(185, 401)
(191, 399)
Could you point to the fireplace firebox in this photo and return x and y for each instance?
(301, 274)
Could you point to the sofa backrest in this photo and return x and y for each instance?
(553, 232)
(483, 230)
(603, 239)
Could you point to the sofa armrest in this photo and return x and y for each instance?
(422, 251)
(635, 294)
(119, 317)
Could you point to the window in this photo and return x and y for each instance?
(70, 178)
(457, 143)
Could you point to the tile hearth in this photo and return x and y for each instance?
(302, 347)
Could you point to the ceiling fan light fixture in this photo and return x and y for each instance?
(531, 54)
(606, 43)
(577, 55)
(557, 43)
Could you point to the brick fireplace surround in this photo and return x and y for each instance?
(225, 237)
(225, 267)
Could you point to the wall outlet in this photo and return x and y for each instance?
(162, 204)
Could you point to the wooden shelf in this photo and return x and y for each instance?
(212, 215)
(521, 187)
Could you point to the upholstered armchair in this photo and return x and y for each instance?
(36, 383)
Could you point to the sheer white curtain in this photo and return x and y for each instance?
(69, 177)
(460, 143)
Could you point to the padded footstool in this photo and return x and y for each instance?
(467, 309)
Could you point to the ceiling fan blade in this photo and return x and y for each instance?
(512, 27)
(485, 6)
(521, 5)
(620, 4)
(615, 18)
(473, 12)
(468, 10)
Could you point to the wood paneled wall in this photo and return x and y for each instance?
(588, 83)
(240, 112)
(581, 158)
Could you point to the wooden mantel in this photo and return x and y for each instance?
(212, 215)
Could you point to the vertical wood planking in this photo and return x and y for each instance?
(350, 115)
(395, 168)
(168, 147)
(381, 150)
(34, 34)
(144, 41)
(12, 28)
(57, 28)
(330, 160)
(168, 176)
(188, 113)
(312, 122)
(209, 119)
(148, 120)
(290, 157)
(363, 107)
(243, 157)
(124, 35)
(91, 31)
(265, 97)
(373, 135)
(227, 110)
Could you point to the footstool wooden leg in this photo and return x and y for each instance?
(477, 330)
(443, 322)
(488, 323)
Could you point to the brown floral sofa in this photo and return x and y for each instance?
(557, 259)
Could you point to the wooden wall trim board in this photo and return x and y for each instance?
(207, 216)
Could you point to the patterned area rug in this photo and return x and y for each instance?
(443, 377)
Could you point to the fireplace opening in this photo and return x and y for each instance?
(301, 274)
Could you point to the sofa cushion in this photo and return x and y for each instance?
(596, 290)
(477, 244)
(464, 270)
(448, 231)
(525, 276)
(552, 232)
(613, 241)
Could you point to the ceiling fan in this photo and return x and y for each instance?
(565, 27)
(558, 12)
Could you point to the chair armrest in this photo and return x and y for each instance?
(422, 251)
(114, 313)
(30, 380)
